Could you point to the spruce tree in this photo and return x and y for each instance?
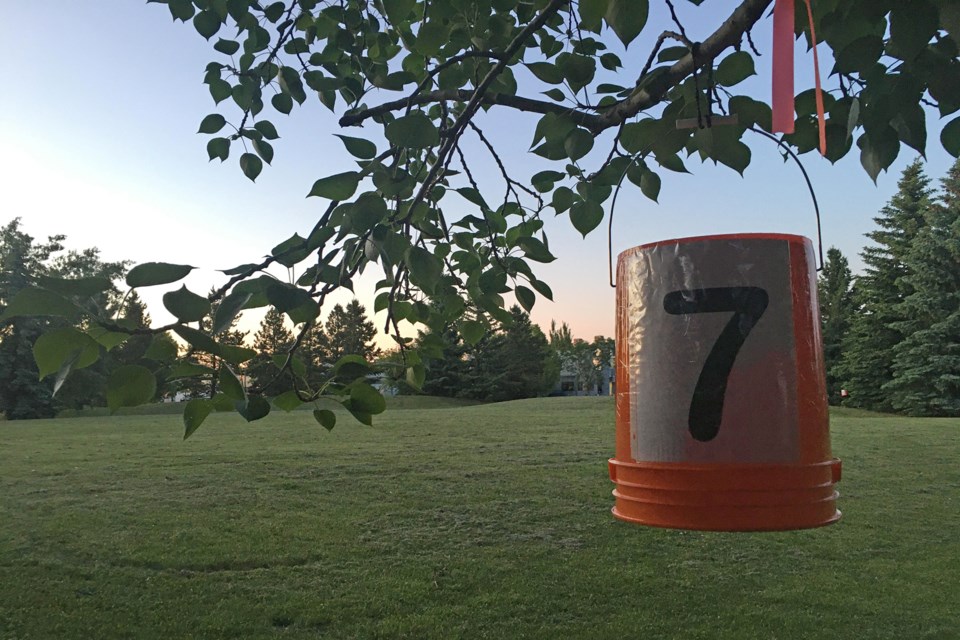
(926, 364)
(350, 332)
(836, 314)
(273, 338)
(867, 362)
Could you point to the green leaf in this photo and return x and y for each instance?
(220, 90)
(162, 349)
(586, 216)
(670, 54)
(340, 186)
(326, 418)
(287, 401)
(542, 288)
(282, 102)
(228, 309)
(735, 68)
(188, 370)
(359, 147)
(425, 269)
(39, 302)
(950, 137)
(350, 367)
(534, 249)
(227, 47)
(230, 384)
(75, 287)
(546, 72)
(912, 25)
(130, 385)
(207, 23)
(185, 305)
(647, 180)
(218, 148)
(627, 18)
(255, 408)
(106, 338)
(610, 61)
(416, 376)
(66, 346)
(365, 398)
(577, 70)
(264, 149)
(194, 414)
(860, 55)
(525, 297)
(592, 12)
(212, 123)
(472, 331)
(251, 166)
(236, 355)
(149, 274)
(555, 94)
(562, 199)
(578, 143)
(267, 130)
(878, 150)
(413, 131)
(198, 339)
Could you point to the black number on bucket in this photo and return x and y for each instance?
(747, 304)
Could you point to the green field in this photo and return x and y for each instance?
(487, 521)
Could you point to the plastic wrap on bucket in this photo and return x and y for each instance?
(721, 401)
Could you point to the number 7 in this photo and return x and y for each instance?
(747, 305)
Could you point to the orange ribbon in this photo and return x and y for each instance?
(783, 96)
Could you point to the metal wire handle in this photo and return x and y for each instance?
(780, 143)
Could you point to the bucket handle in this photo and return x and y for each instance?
(782, 145)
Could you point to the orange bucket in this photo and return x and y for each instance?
(722, 419)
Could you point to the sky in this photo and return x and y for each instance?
(98, 121)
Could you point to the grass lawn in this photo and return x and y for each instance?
(487, 521)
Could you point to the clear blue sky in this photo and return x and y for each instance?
(101, 103)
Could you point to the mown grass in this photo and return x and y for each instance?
(488, 521)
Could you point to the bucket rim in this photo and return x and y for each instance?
(788, 237)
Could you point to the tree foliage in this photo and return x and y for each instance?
(926, 364)
(879, 293)
(410, 82)
(836, 313)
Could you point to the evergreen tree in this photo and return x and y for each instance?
(350, 332)
(836, 314)
(867, 362)
(926, 364)
(273, 338)
(509, 364)
(315, 354)
(447, 375)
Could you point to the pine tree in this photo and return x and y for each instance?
(350, 332)
(509, 364)
(273, 338)
(836, 314)
(926, 364)
(867, 360)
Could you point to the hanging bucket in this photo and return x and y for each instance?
(722, 419)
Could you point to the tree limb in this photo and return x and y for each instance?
(644, 95)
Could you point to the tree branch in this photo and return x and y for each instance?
(588, 120)
(645, 95)
(728, 35)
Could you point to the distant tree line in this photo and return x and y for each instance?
(512, 361)
(892, 335)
